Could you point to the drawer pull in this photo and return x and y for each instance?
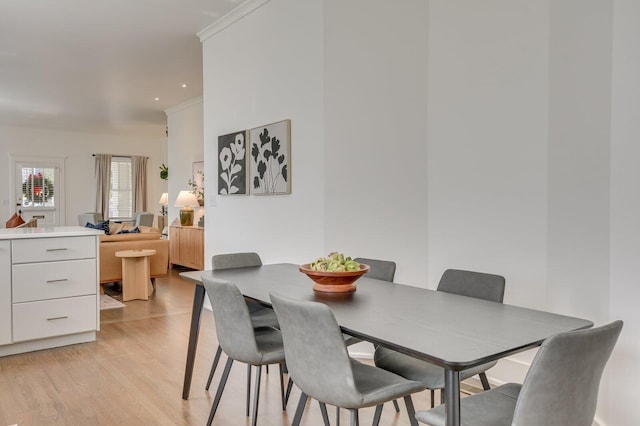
(57, 249)
(57, 318)
(57, 281)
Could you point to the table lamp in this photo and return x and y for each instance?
(164, 201)
(186, 199)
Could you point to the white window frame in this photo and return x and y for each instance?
(122, 159)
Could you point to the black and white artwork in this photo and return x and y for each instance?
(232, 164)
(271, 159)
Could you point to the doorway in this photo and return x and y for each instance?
(39, 189)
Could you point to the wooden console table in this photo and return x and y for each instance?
(186, 246)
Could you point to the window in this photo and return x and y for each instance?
(37, 186)
(121, 195)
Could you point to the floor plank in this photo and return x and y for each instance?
(133, 373)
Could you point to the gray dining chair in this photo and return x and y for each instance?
(560, 389)
(384, 270)
(261, 316)
(465, 283)
(241, 342)
(320, 366)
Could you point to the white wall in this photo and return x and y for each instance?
(510, 131)
(487, 130)
(375, 153)
(77, 149)
(624, 287)
(185, 146)
(264, 68)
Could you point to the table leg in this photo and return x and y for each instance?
(198, 301)
(452, 396)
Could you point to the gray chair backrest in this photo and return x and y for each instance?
(473, 284)
(383, 270)
(92, 218)
(561, 387)
(235, 260)
(144, 219)
(233, 324)
(317, 358)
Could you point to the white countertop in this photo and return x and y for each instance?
(47, 232)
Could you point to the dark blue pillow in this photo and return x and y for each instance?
(103, 226)
(129, 231)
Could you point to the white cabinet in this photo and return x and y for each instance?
(5, 292)
(49, 289)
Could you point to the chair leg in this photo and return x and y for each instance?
(288, 392)
(323, 410)
(485, 382)
(377, 414)
(284, 402)
(153, 283)
(216, 359)
(433, 398)
(299, 410)
(267, 367)
(441, 396)
(223, 382)
(248, 389)
(355, 420)
(396, 406)
(256, 395)
(337, 416)
(408, 402)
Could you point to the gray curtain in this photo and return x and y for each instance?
(103, 183)
(139, 183)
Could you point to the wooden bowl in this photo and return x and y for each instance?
(334, 282)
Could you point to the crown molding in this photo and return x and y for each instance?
(183, 105)
(224, 21)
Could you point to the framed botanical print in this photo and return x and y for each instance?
(232, 163)
(270, 158)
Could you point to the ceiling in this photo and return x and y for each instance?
(98, 66)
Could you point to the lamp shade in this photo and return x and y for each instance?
(164, 199)
(186, 199)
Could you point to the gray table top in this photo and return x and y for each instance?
(452, 331)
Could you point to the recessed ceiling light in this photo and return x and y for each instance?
(157, 99)
(184, 85)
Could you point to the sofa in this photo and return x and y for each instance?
(147, 238)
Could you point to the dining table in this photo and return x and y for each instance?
(452, 331)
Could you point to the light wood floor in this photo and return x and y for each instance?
(133, 373)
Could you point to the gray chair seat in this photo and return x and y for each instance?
(264, 317)
(432, 376)
(490, 408)
(378, 386)
(269, 345)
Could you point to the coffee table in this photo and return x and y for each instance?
(135, 273)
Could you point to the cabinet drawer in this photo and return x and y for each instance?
(52, 280)
(52, 249)
(48, 318)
